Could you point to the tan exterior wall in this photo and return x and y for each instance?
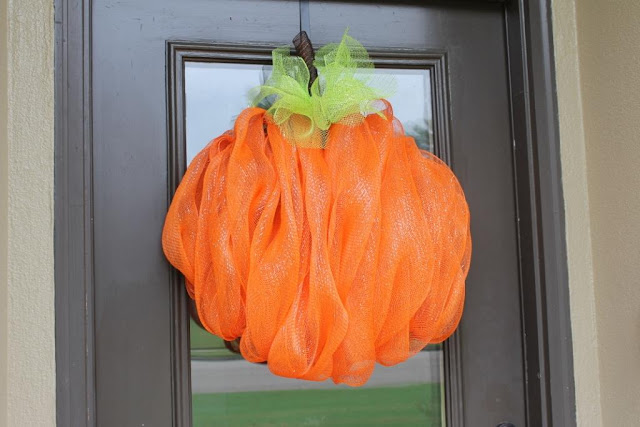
(27, 353)
(609, 54)
(578, 221)
(4, 166)
(597, 47)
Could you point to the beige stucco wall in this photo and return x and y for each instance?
(609, 55)
(3, 212)
(578, 221)
(27, 355)
(597, 59)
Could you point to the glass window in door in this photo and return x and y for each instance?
(227, 390)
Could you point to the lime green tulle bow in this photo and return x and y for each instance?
(345, 91)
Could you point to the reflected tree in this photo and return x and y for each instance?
(422, 132)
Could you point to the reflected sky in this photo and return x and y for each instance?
(216, 93)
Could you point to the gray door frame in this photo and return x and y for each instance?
(544, 281)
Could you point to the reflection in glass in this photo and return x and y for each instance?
(227, 390)
(412, 104)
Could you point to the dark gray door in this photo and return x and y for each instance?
(140, 323)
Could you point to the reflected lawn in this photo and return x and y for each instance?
(414, 405)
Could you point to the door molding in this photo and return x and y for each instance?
(180, 52)
(543, 268)
(73, 216)
(546, 319)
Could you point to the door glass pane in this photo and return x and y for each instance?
(228, 391)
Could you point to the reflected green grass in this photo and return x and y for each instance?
(413, 405)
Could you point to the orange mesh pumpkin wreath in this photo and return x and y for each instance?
(323, 260)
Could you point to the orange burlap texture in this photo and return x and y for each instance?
(324, 261)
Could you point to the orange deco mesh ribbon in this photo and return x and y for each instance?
(324, 261)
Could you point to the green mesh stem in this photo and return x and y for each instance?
(346, 90)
